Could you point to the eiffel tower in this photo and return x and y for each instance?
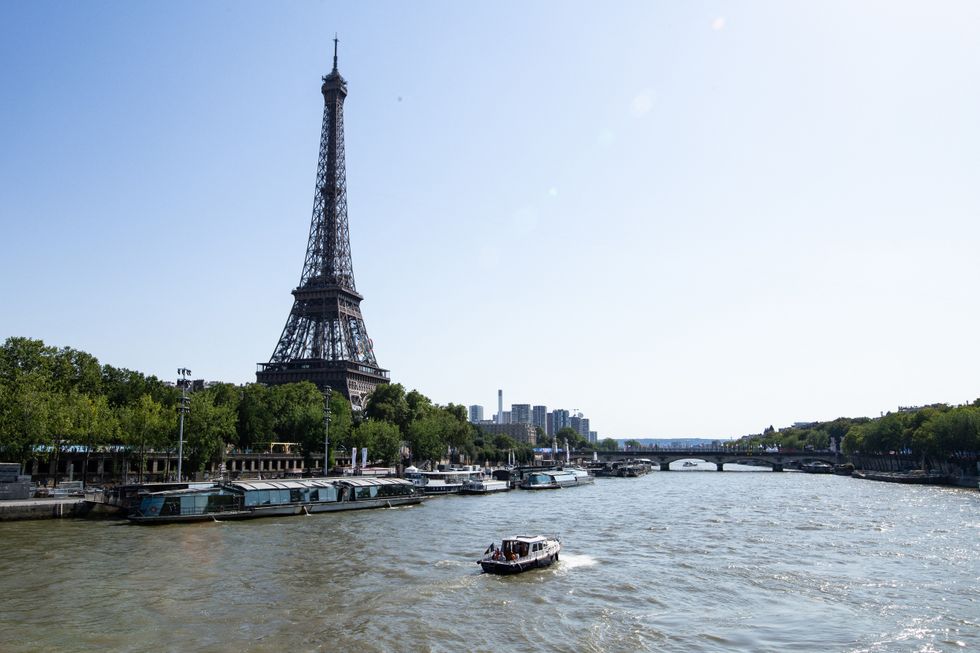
(325, 340)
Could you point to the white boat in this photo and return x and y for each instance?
(557, 478)
(581, 476)
(448, 481)
(484, 486)
(520, 553)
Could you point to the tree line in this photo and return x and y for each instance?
(932, 434)
(53, 399)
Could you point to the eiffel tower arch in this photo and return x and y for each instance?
(325, 340)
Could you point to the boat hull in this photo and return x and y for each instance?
(278, 511)
(520, 554)
(505, 568)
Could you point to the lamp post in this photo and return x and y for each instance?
(326, 430)
(184, 409)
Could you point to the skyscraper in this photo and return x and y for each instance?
(559, 420)
(520, 413)
(539, 417)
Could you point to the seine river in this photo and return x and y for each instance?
(675, 561)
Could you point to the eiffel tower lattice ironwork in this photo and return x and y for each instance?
(325, 340)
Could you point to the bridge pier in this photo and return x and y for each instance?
(777, 467)
(664, 466)
(721, 466)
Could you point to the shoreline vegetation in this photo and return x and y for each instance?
(59, 400)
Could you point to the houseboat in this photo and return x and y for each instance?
(248, 499)
(539, 481)
(557, 478)
(484, 486)
(447, 481)
(520, 553)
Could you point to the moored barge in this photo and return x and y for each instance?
(250, 499)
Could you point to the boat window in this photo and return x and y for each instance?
(394, 490)
(193, 504)
(363, 493)
(328, 494)
(221, 502)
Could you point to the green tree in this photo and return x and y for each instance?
(418, 406)
(382, 439)
(256, 421)
(145, 425)
(21, 357)
(608, 444)
(124, 387)
(299, 410)
(426, 437)
(96, 425)
(341, 418)
(388, 403)
(208, 426)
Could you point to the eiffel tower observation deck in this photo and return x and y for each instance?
(325, 340)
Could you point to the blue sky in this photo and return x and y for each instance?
(683, 219)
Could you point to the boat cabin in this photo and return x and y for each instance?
(522, 546)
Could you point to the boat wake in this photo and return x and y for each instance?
(574, 561)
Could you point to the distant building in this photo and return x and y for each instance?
(559, 420)
(476, 414)
(520, 432)
(539, 417)
(579, 424)
(593, 437)
(520, 413)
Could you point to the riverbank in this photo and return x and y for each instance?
(21, 509)
(916, 477)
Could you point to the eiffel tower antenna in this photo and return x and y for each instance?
(325, 340)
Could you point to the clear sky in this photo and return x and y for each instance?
(681, 218)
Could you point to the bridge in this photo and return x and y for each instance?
(720, 456)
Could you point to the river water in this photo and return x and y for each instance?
(672, 561)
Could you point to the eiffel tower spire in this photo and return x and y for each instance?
(325, 340)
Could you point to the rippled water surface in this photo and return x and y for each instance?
(676, 561)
